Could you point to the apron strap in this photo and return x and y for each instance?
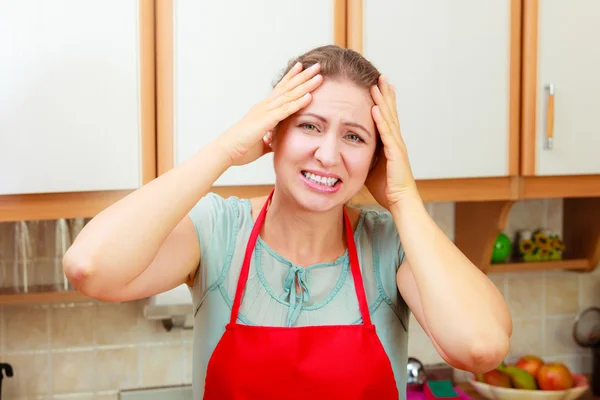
(235, 308)
(354, 266)
(356, 274)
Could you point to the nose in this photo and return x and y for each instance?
(327, 151)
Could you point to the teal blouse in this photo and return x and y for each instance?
(223, 227)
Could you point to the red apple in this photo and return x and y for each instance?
(554, 376)
(496, 378)
(530, 363)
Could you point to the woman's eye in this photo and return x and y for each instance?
(355, 138)
(309, 127)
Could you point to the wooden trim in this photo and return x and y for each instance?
(164, 84)
(354, 35)
(148, 90)
(468, 189)
(515, 88)
(339, 22)
(40, 294)
(529, 86)
(560, 186)
(44, 206)
(476, 227)
(581, 229)
(579, 264)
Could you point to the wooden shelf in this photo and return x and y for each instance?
(39, 294)
(47, 206)
(545, 187)
(479, 223)
(579, 264)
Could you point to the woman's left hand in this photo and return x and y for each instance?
(391, 178)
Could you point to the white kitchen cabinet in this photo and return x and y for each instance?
(218, 58)
(76, 104)
(568, 57)
(450, 63)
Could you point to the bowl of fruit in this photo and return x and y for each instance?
(530, 378)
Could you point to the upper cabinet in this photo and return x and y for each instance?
(561, 87)
(483, 87)
(76, 105)
(450, 63)
(216, 59)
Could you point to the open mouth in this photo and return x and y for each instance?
(321, 180)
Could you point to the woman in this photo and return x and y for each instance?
(298, 295)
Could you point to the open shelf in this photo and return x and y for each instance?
(479, 223)
(578, 264)
(39, 294)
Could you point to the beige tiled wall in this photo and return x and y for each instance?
(91, 350)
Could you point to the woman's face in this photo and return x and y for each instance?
(323, 153)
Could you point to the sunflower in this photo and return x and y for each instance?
(555, 255)
(543, 254)
(557, 244)
(526, 246)
(541, 240)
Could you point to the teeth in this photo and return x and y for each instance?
(320, 179)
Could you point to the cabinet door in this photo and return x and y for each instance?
(568, 57)
(450, 63)
(225, 56)
(70, 96)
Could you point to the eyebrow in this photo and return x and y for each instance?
(324, 120)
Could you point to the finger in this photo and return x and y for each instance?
(382, 103)
(295, 80)
(389, 98)
(295, 70)
(297, 92)
(391, 102)
(383, 127)
(267, 145)
(390, 94)
(289, 108)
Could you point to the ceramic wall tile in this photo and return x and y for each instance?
(72, 325)
(559, 336)
(74, 371)
(562, 293)
(26, 328)
(170, 369)
(524, 296)
(117, 368)
(32, 375)
(527, 337)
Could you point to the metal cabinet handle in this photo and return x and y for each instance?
(549, 116)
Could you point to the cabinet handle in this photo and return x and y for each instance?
(549, 116)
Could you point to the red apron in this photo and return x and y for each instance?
(312, 362)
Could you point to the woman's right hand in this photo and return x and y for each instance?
(249, 138)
